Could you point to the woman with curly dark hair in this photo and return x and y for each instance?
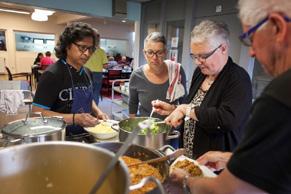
(65, 88)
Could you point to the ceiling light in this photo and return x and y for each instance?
(123, 21)
(46, 12)
(14, 11)
(39, 17)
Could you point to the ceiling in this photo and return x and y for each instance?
(76, 17)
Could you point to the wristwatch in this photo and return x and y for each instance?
(186, 189)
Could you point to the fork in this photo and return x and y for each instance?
(152, 113)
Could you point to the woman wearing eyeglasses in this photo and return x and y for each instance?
(158, 79)
(219, 100)
(65, 88)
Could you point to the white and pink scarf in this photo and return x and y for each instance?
(176, 89)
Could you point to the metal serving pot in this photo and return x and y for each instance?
(34, 129)
(142, 153)
(59, 167)
(153, 141)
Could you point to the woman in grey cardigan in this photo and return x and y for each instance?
(220, 96)
(158, 79)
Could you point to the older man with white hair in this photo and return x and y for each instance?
(261, 164)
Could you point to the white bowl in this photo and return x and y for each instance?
(103, 130)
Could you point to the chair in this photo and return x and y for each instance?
(109, 77)
(35, 73)
(16, 75)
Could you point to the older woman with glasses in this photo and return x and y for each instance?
(219, 100)
(158, 79)
(261, 163)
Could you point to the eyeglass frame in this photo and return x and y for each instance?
(204, 57)
(80, 47)
(155, 53)
(253, 29)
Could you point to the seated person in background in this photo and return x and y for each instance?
(129, 65)
(123, 62)
(158, 79)
(38, 59)
(111, 63)
(46, 61)
(117, 57)
(36, 66)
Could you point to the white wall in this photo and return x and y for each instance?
(19, 61)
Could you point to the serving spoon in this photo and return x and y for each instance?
(172, 156)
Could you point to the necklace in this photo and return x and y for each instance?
(209, 82)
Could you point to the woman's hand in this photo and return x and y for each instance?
(102, 116)
(85, 120)
(178, 175)
(176, 117)
(162, 108)
(215, 160)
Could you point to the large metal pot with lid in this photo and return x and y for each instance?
(54, 168)
(150, 140)
(33, 129)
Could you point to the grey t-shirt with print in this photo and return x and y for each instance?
(142, 92)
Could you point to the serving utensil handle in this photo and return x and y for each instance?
(172, 156)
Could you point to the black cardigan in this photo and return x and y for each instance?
(223, 113)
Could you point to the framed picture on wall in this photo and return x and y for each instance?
(2, 41)
(34, 42)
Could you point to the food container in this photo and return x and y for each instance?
(59, 167)
(206, 172)
(153, 141)
(103, 130)
(142, 153)
(34, 129)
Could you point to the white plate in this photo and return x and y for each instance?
(99, 132)
(205, 170)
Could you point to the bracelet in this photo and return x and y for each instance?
(73, 118)
(185, 186)
(189, 108)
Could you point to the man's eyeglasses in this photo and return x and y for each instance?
(203, 57)
(151, 53)
(247, 37)
(84, 48)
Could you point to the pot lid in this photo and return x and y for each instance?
(34, 126)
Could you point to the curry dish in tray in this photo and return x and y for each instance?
(138, 172)
(189, 166)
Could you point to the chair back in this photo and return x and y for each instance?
(9, 73)
(114, 74)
